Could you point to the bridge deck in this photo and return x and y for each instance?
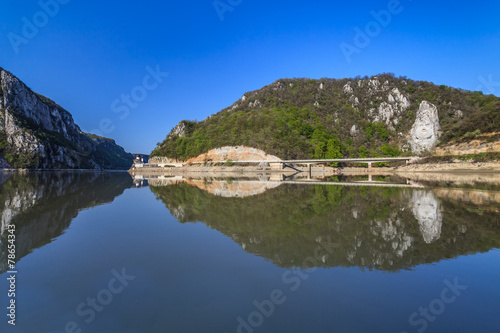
(334, 160)
(309, 161)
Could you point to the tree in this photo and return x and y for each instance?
(319, 152)
(334, 150)
(390, 151)
(363, 151)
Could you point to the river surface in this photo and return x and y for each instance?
(103, 252)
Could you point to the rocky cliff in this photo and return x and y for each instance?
(381, 115)
(35, 132)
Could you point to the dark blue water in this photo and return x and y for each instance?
(98, 254)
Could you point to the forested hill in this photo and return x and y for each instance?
(359, 117)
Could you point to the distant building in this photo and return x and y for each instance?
(141, 159)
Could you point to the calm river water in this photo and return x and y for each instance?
(102, 252)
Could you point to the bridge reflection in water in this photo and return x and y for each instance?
(280, 178)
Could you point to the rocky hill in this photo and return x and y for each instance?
(381, 115)
(35, 132)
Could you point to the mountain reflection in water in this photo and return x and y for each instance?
(397, 225)
(386, 228)
(42, 205)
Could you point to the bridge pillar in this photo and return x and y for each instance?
(309, 171)
(369, 165)
(277, 166)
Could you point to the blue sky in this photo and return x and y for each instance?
(86, 55)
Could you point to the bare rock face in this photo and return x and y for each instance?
(255, 104)
(354, 130)
(391, 108)
(178, 131)
(348, 88)
(386, 112)
(427, 210)
(236, 153)
(424, 132)
(459, 114)
(398, 97)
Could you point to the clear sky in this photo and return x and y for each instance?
(94, 58)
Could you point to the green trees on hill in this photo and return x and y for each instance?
(303, 118)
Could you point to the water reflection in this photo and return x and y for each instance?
(427, 211)
(243, 186)
(388, 228)
(42, 205)
(385, 222)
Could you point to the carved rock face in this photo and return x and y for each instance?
(424, 132)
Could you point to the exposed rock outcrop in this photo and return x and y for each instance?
(35, 132)
(237, 153)
(179, 130)
(354, 130)
(389, 111)
(425, 131)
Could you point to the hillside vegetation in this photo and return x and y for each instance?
(332, 118)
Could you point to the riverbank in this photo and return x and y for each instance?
(451, 167)
(235, 169)
(444, 167)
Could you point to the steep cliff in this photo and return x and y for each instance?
(381, 115)
(35, 132)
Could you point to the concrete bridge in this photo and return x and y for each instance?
(282, 164)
